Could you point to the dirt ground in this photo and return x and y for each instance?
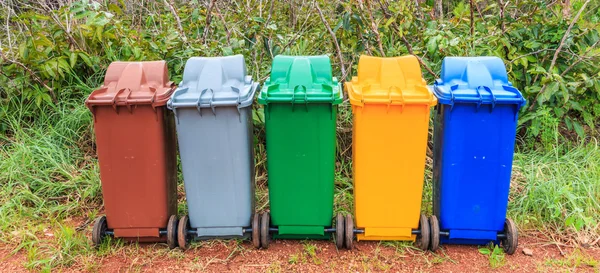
(322, 256)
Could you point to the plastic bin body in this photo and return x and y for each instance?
(135, 139)
(300, 99)
(474, 135)
(214, 128)
(390, 105)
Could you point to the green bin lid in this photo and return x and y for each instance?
(301, 79)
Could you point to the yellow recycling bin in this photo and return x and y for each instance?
(391, 105)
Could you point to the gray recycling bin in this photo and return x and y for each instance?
(213, 116)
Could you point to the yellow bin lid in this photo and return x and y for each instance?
(389, 81)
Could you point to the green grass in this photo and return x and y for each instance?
(558, 191)
(48, 175)
(575, 259)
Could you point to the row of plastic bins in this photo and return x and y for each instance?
(474, 135)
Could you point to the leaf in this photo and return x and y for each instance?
(389, 22)
(47, 98)
(579, 129)
(41, 17)
(579, 224)
(85, 58)
(63, 65)
(48, 67)
(99, 31)
(114, 8)
(227, 51)
(485, 251)
(272, 26)
(258, 19)
(548, 93)
(38, 101)
(23, 51)
(569, 123)
(575, 105)
(431, 45)
(524, 62)
(569, 221)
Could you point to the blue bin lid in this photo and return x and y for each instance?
(479, 80)
(210, 82)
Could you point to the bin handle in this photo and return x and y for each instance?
(452, 88)
(237, 90)
(198, 103)
(480, 97)
(114, 98)
(491, 94)
(401, 97)
(296, 88)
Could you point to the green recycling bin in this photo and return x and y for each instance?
(300, 104)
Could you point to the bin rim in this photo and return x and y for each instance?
(301, 79)
(146, 83)
(247, 101)
(478, 80)
(389, 81)
(214, 82)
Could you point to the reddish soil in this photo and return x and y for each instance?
(293, 256)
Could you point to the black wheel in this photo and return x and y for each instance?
(172, 232)
(422, 240)
(182, 232)
(99, 230)
(349, 232)
(510, 241)
(434, 242)
(256, 230)
(339, 231)
(265, 223)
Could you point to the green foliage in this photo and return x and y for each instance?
(559, 189)
(495, 255)
(76, 42)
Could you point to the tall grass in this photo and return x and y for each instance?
(48, 176)
(558, 191)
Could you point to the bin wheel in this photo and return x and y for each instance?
(182, 232)
(339, 231)
(172, 232)
(422, 240)
(349, 232)
(510, 241)
(265, 222)
(434, 225)
(99, 230)
(256, 230)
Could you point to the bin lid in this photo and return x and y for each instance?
(214, 81)
(301, 79)
(480, 80)
(133, 83)
(390, 81)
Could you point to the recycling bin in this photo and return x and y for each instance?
(135, 142)
(300, 105)
(474, 136)
(213, 116)
(391, 109)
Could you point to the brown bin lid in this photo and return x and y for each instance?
(133, 83)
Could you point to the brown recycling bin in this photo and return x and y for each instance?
(135, 139)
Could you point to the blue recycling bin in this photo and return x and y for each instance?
(474, 136)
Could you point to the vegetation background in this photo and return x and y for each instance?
(54, 53)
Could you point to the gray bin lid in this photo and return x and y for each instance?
(210, 82)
